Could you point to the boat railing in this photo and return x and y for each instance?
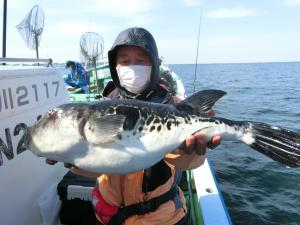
(5, 60)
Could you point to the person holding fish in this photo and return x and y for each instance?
(149, 196)
(138, 143)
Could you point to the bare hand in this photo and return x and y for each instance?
(51, 162)
(198, 143)
(75, 169)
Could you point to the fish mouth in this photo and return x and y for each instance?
(26, 139)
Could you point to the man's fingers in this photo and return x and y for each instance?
(85, 173)
(51, 162)
(200, 145)
(190, 141)
(75, 169)
(195, 144)
(214, 142)
(68, 165)
(78, 171)
(189, 144)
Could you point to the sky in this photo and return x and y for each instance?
(230, 31)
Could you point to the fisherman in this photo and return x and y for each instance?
(150, 196)
(77, 78)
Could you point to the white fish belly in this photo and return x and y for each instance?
(132, 152)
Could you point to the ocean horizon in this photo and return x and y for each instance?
(209, 63)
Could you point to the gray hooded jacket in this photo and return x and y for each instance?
(142, 38)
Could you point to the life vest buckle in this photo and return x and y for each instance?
(146, 207)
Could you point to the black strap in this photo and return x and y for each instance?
(143, 207)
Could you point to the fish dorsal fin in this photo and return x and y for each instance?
(201, 101)
(104, 129)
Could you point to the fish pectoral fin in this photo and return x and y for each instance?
(201, 102)
(105, 129)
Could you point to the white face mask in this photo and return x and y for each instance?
(134, 78)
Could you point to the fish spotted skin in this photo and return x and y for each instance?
(145, 134)
(123, 136)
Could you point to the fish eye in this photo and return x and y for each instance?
(50, 113)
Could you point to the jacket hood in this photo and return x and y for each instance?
(142, 38)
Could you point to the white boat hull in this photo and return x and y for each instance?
(25, 94)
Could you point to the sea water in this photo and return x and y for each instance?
(256, 190)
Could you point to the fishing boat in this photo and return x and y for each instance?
(29, 185)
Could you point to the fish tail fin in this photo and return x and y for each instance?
(275, 142)
(200, 102)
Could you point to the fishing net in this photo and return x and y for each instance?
(31, 28)
(91, 48)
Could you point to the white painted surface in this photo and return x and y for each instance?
(213, 209)
(25, 93)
